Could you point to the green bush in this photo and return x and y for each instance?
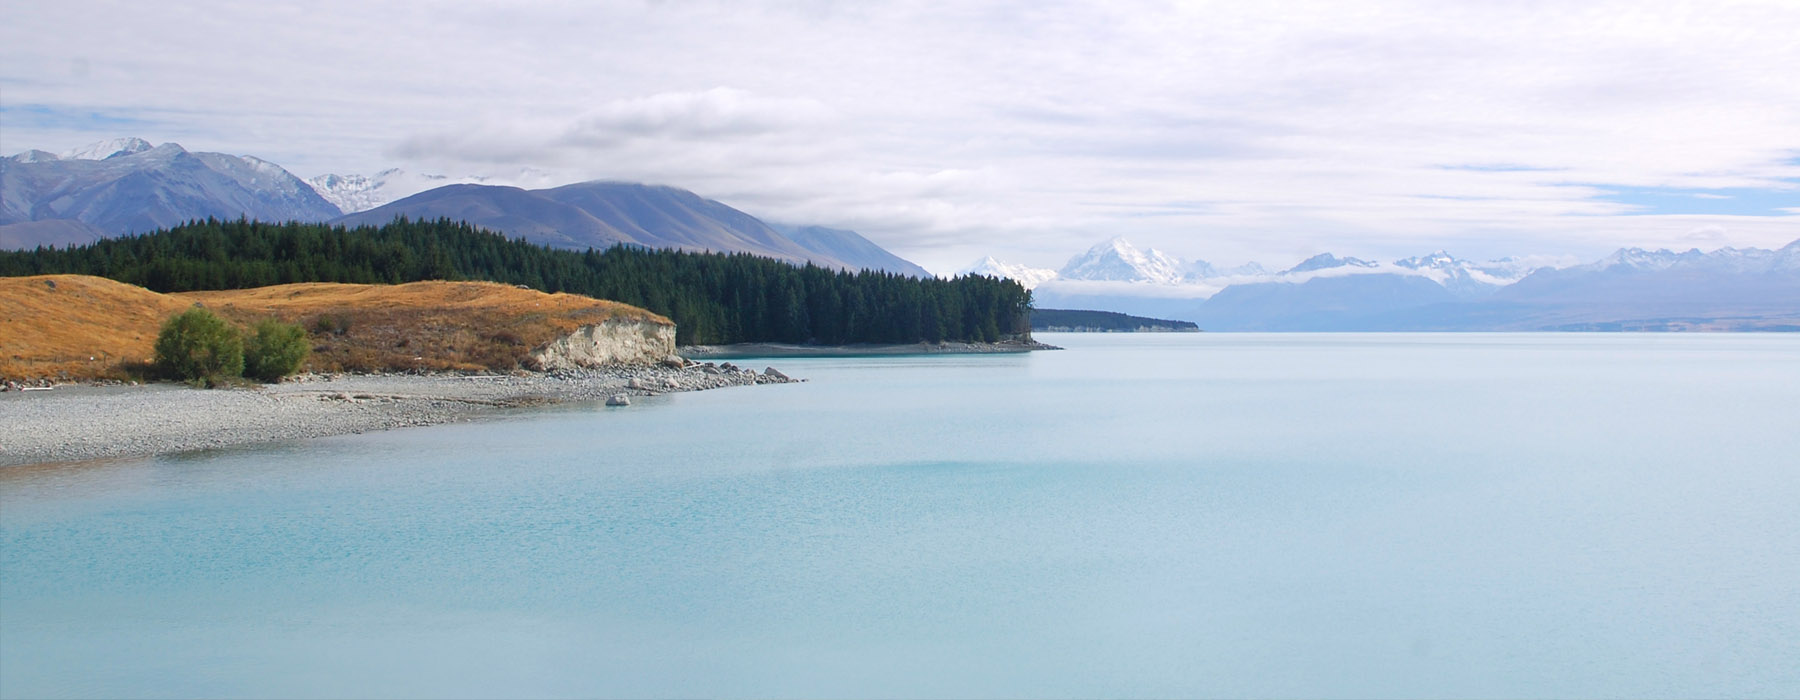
(274, 350)
(198, 346)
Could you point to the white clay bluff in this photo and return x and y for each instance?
(612, 342)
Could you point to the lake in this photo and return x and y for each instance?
(1244, 515)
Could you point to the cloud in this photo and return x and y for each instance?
(1711, 233)
(713, 115)
(1027, 130)
(715, 118)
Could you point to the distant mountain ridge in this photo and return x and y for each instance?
(1651, 290)
(1632, 289)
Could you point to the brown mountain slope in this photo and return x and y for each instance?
(87, 327)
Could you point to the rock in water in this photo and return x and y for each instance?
(618, 400)
(772, 372)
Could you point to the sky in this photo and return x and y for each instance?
(1029, 130)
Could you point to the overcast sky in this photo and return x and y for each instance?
(1029, 130)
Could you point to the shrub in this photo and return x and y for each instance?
(198, 346)
(332, 325)
(274, 350)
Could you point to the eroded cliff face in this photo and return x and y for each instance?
(611, 342)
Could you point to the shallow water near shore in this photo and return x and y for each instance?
(1244, 515)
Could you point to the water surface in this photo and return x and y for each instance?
(1388, 515)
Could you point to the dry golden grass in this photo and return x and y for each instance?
(77, 326)
(51, 325)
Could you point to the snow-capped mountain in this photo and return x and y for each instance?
(1464, 278)
(125, 185)
(1327, 261)
(1737, 260)
(357, 193)
(1197, 270)
(34, 156)
(1640, 260)
(1117, 260)
(1029, 277)
(1628, 264)
(107, 149)
(1786, 260)
(1249, 269)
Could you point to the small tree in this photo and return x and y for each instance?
(196, 345)
(274, 350)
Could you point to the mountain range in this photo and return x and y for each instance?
(1633, 289)
(125, 186)
(128, 186)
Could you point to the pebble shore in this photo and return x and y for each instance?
(80, 422)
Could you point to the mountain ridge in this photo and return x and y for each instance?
(603, 213)
(125, 186)
(1728, 288)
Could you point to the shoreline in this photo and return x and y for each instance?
(739, 350)
(77, 422)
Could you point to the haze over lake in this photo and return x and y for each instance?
(1348, 515)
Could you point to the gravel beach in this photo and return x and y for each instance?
(79, 422)
(716, 352)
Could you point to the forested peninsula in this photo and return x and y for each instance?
(713, 298)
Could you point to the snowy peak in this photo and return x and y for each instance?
(1735, 260)
(359, 193)
(1249, 269)
(34, 156)
(1326, 261)
(106, 149)
(1462, 277)
(1196, 270)
(1510, 269)
(1439, 260)
(1787, 259)
(1638, 259)
(1029, 277)
(1119, 261)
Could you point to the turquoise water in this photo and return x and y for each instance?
(1389, 515)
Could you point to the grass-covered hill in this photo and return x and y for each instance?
(713, 298)
(86, 327)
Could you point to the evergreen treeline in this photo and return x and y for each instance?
(1102, 321)
(712, 297)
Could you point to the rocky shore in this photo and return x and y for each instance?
(78, 422)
